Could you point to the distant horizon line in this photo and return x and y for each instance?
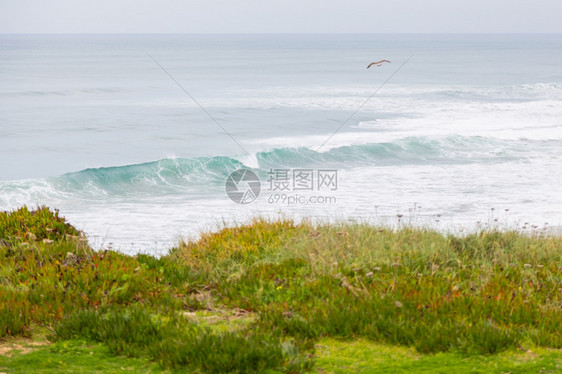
(281, 33)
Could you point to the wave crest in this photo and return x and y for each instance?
(207, 174)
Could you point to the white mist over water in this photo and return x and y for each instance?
(92, 126)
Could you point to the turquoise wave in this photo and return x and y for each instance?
(180, 175)
(168, 175)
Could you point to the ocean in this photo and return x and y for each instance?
(134, 137)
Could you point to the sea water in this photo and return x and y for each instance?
(133, 137)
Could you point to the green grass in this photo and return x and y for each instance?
(333, 356)
(267, 296)
(365, 357)
(74, 356)
(482, 293)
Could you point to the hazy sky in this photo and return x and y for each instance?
(279, 16)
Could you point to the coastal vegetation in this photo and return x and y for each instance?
(280, 297)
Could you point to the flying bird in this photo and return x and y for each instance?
(378, 63)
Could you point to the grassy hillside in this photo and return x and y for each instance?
(281, 297)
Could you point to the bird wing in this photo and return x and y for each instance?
(378, 63)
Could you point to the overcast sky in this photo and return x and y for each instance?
(280, 16)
